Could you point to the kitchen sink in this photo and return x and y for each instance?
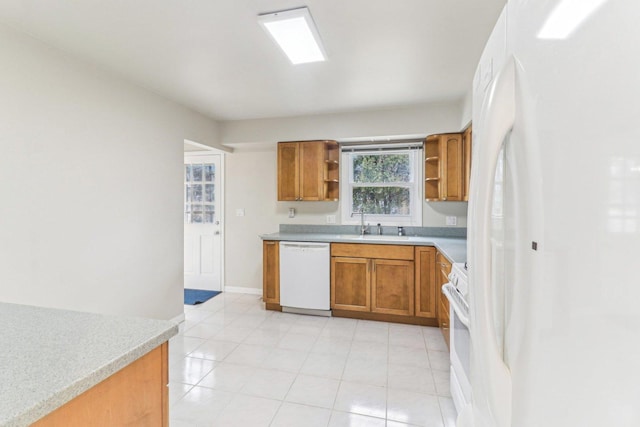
(372, 237)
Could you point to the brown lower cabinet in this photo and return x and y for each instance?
(373, 282)
(443, 266)
(393, 283)
(137, 395)
(271, 274)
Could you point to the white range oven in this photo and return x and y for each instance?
(460, 339)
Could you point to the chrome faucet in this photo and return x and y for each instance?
(363, 228)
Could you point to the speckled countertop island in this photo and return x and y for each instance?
(49, 356)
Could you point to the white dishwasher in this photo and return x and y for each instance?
(304, 277)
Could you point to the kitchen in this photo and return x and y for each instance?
(53, 94)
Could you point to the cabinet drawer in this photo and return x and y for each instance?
(360, 250)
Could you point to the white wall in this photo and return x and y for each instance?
(91, 186)
(251, 176)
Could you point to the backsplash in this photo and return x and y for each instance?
(386, 230)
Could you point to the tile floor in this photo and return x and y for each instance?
(236, 364)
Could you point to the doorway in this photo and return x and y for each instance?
(203, 230)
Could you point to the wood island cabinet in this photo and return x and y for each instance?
(308, 171)
(137, 395)
(271, 274)
(444, 268)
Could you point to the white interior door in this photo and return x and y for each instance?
(202, 222)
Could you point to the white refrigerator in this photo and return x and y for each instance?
(554, 218)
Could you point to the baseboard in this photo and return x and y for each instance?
(243, 290)
(178, 319)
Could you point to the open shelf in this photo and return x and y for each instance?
(332, 171)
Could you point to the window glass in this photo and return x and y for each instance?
(385, 185)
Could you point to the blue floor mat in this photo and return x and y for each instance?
(197, 296)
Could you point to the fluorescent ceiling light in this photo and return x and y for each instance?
(567, 17)
(295, 33)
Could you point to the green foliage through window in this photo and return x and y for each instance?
(382, 200)
(381, 168)
(381, 183)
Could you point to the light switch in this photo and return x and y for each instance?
(240, 212)
(452, 220)
(331, 219)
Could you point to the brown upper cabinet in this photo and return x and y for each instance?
(308, 171)
(466, 161)
(443, 167)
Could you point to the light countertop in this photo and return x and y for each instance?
(50, 356)
(454, 248)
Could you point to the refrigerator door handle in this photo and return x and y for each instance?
(496, 121)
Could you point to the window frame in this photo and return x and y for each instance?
(347, 185)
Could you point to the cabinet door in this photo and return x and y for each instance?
(452, 153)
(392, 288)
(288, 171)
(271, 272)
(427, 289)
(311, 170)
(350, 284)
(466, 150)
(444, 268)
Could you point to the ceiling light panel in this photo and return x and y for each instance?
(294, 31)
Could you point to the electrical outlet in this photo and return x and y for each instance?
(331, 219)
(240, 212)
(452, 220)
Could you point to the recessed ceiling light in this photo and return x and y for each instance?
(295, 33)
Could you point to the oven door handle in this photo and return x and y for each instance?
(450, 292)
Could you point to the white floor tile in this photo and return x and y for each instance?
(439, 360)
(268, 383)
(371, 350)
(408, 356)
(337, 346)
(200, 404)
(214, 350)
(324, 365)
(443, 384)
(177, 392)
(202, 330)
(292, 414)
(248, 354)
(266, 337)
(361, 399)
(232, 333)
(365, 370)
(346, 419)
(182, 345)
(301, 342)
(436, 342)
(414, 408)
(245, 411)
(328, 371)
(406, 338)
(411, 378)
(448, 410)
(285, 360)
(314, 391)
(190, 371)
(227, 376)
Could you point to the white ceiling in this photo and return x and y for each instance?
(214, 57)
